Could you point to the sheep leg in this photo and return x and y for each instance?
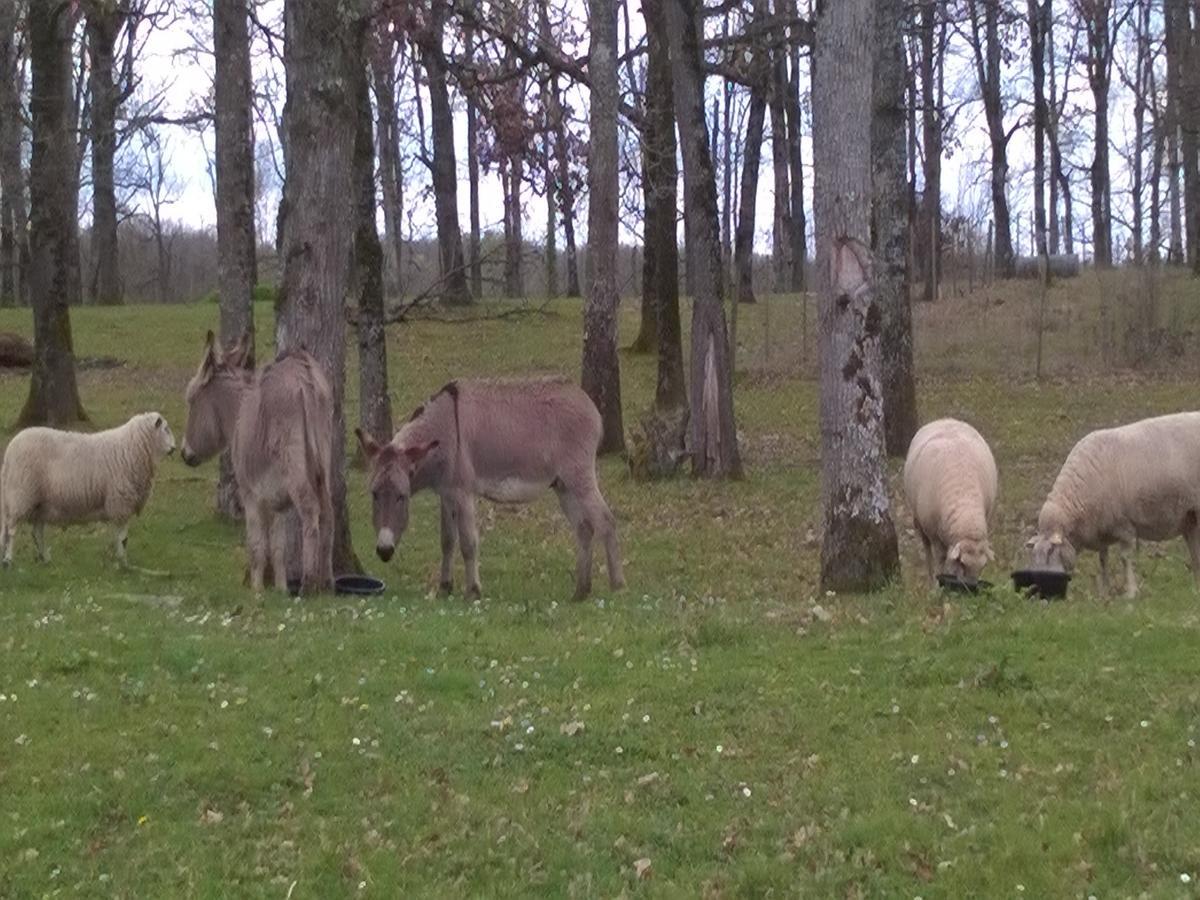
(468, 539)
(577, 515)
(1192, 535)
(122, 542)
(449, 540)
(938, 560)
(928, 556)
(39, 541)
(1128, 552)
(6, 544)
(256, 546)
(1102, 581)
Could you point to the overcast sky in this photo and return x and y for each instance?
(187, 77)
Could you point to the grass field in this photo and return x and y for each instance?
(717, 729)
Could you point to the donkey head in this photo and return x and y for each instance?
(213, 396)
(389, 476)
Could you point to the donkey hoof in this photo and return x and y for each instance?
(474, 592)
(445, 588)
(5, 563)
(581, 594)
(617, 584)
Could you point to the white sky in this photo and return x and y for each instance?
(188, 77)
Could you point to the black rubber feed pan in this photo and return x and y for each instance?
(1040, 583)
(358, 585)
(952, 584)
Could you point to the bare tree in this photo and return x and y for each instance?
(890, 228)
(382, 56)
(374, 404)
(14, 211)
(322, 55)
(1038, 19)
(781, 159)
(713, 430)
(237, 262)
(54, 231)
(859, 550)
(428, 37)
(932, 29)
(156, 188)
(473, 243)
(799, 224)
(984, 36)
(601, 367)
(760, 71)
(1183, 92)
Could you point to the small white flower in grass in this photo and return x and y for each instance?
(1144, 723)
(1185, 877)
(646, 718)
(22, 740)
(1021, 888)
(620, 750)
(1108, 719)
(362, 885)
(518, 747)
(1004, 745)
(720, 749)
(224, 704)
(992, 720)
(895, 708)
(1191, 742)
(912, 801)
(355, 741)
(745, 791)
(281, 627)
(915, 759)
(529, 730)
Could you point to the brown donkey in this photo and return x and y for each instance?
(507, 441)
(278, 425)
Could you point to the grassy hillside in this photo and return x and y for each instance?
(720, 728)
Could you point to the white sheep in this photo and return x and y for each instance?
(65, 477)
(1121, 485)
(950, 482)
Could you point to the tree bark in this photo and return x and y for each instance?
(780, 166)
(601, 366)
(1052, 118)
(890, 231)
(391, 178)
(1101, 34)
(323, 51)
(799, 224)
(660, 273)
(104, 24)
(237, 264)
(514, 242)
(859, 550)
(931, 136)
(474, 242)
(743, 248)
(12, 175)
(712, 427)
(454, 289)
(1037, 18)
(374, 404)
(54, 230)
(1183, 91)
(988, 52)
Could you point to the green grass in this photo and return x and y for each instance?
(169, 735)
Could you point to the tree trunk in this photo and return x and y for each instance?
(890, 232)
(1037, 16)
(475, 263)
(601, 367)
(799, 224)
(743, 250)
(391, 179)
(931, 125)
(54, 225)
(988, 52)
(566, 191)
(1156, 168)
(660, 273)
(237, 265)
(8, 253)
(104, 23)
(859, 550)
(780, 164)
(712, 428)
(12, 175)
(323, 51)
(374, 404)
(1183, 93)
(1142, 87)
(1099, 66)
(514, 279)
(1052, 119)
(454, 288)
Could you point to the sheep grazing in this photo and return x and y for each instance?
(1119, 486)
(65, 478)
(950, 482)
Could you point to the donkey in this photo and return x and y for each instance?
(507, 441)
(278, 425)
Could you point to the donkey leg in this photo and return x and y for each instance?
(446, 582)
(576, 513)
(278, 532)
(39, 541)
(256, 545)
(468, 539)
(604, 523)
(327, 536)
(312, 567)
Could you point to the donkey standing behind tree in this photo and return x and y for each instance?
(278, 424)
(508, 441)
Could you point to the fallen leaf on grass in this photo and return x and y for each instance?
(570, 729)
(212, 817)
(642, 868)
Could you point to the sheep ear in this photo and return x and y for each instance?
(158, 421)
(955, 552)
(1031, 543)
(1056, 539)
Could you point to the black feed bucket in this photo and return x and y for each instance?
(1040, 583)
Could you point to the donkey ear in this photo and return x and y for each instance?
(416, 454)
(1031, 543)
(369, 446)
(241, 354)
(955, 552)
(211, 358)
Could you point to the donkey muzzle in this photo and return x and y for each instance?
(385, 544)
